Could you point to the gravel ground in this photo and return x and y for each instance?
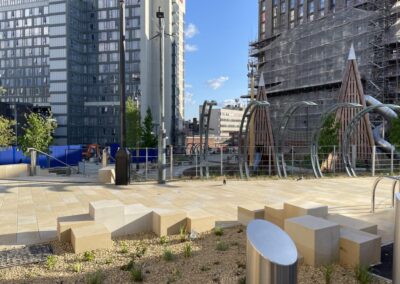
(206, 264)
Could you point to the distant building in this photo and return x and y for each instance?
(225, 120)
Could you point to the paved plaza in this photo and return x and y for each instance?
(29, 208)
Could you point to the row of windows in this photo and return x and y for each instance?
(24, 33)
(24, 13)
(27, 22)
(18, 52)
(24, 42)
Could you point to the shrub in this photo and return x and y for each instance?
(136, 274)
(95, 278)
(109, 260)
(187, 250)
(129, 266)
(168, 255)
(124, 247)
(88, 256)
(77, 267)
(163, 240)
(51, 262)
(182, 234)
(218, 231)
(328, 271)
(140, 250)
(362, 275)
(222, 246)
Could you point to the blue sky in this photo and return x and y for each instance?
(217, 37)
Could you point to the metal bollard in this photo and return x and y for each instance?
(271, 255)
(33, 162)
(396, 252)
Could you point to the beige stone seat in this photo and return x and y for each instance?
(65, 224)
(353, 223)
(316, 239)
(200, 221)
(359, 248)
(275, 214)
(249, 212)
(110, 213)
(90, 237)
(168, 222)
(107, 175)
(301, 208)
(137, 219)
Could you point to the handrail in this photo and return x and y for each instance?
(396, 179)
(47, 155)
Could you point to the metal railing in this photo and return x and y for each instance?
(395, 179)
(33, 161)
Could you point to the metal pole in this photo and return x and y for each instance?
(171, 168)
(373, 160)
(392, 162)
(147, 160)
(292, 160)
(162, 133)
(334, 159)
(396, 252)
(195, 154)
(222, 161)
(269, 161)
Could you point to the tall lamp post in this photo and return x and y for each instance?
(122, 158)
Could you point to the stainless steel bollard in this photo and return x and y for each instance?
(32, 169)
(396, 245)
(271, 255)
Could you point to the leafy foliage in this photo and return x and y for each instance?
(133, 128)
(7, 136)
(329, 135)
(51, 262)
(2, 90)
(394, 134)
(38, 132)
(148, 138)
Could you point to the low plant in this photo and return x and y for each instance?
(362, 275)
(140, 250)
(136, 274)
(175, 275)
(129, 266)
(88, 256)
(168, 255)
(218, 231)
(182, 234)
(77, 267)
(124, 247)
(163, 240)
(205, 268)
(109, 260)
(222, 246)
(187, 250)
(328, 272)
(95, 278)
(51, 262)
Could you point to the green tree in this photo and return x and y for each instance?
(2, 90)
(148, 138)
(7, 137)
(394, 134)
(329, 135)
(38, 132)
(133, 129)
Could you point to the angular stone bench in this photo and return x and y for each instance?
(65, 224)
(200, 221)
(359, 248)
(168, 222)
(137, 219)
(107, 175)
(353, 223)
(316, 239)
(90, 237)
(275, 214)
(302, 208)
(249, 212)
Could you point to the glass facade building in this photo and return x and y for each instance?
(64, 54)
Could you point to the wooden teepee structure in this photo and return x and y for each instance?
(263, 134)
(352, 91)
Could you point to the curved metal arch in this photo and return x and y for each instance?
(204, 129)
(317, 134)
(280, 139)
(243, 151)
(349, 131)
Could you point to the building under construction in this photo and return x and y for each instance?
(303, 47)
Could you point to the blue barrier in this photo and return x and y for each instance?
(140, 158)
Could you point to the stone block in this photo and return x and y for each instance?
(249, 212)
(106, 209)
(275, 214)
(359, 248)
(107, 175)
(65, 224)
(302, 208)
(200, 221)
(137, 219)
(168, 222)
(14, 171)
(348, 222)
(91, 237)
(316, 239)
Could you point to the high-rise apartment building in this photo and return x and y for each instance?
(64, 54)
(303, 45)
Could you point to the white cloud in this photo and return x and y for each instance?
(190, 47)
(217, 83)
(188, 86)
(189, 99)
(191, 30)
